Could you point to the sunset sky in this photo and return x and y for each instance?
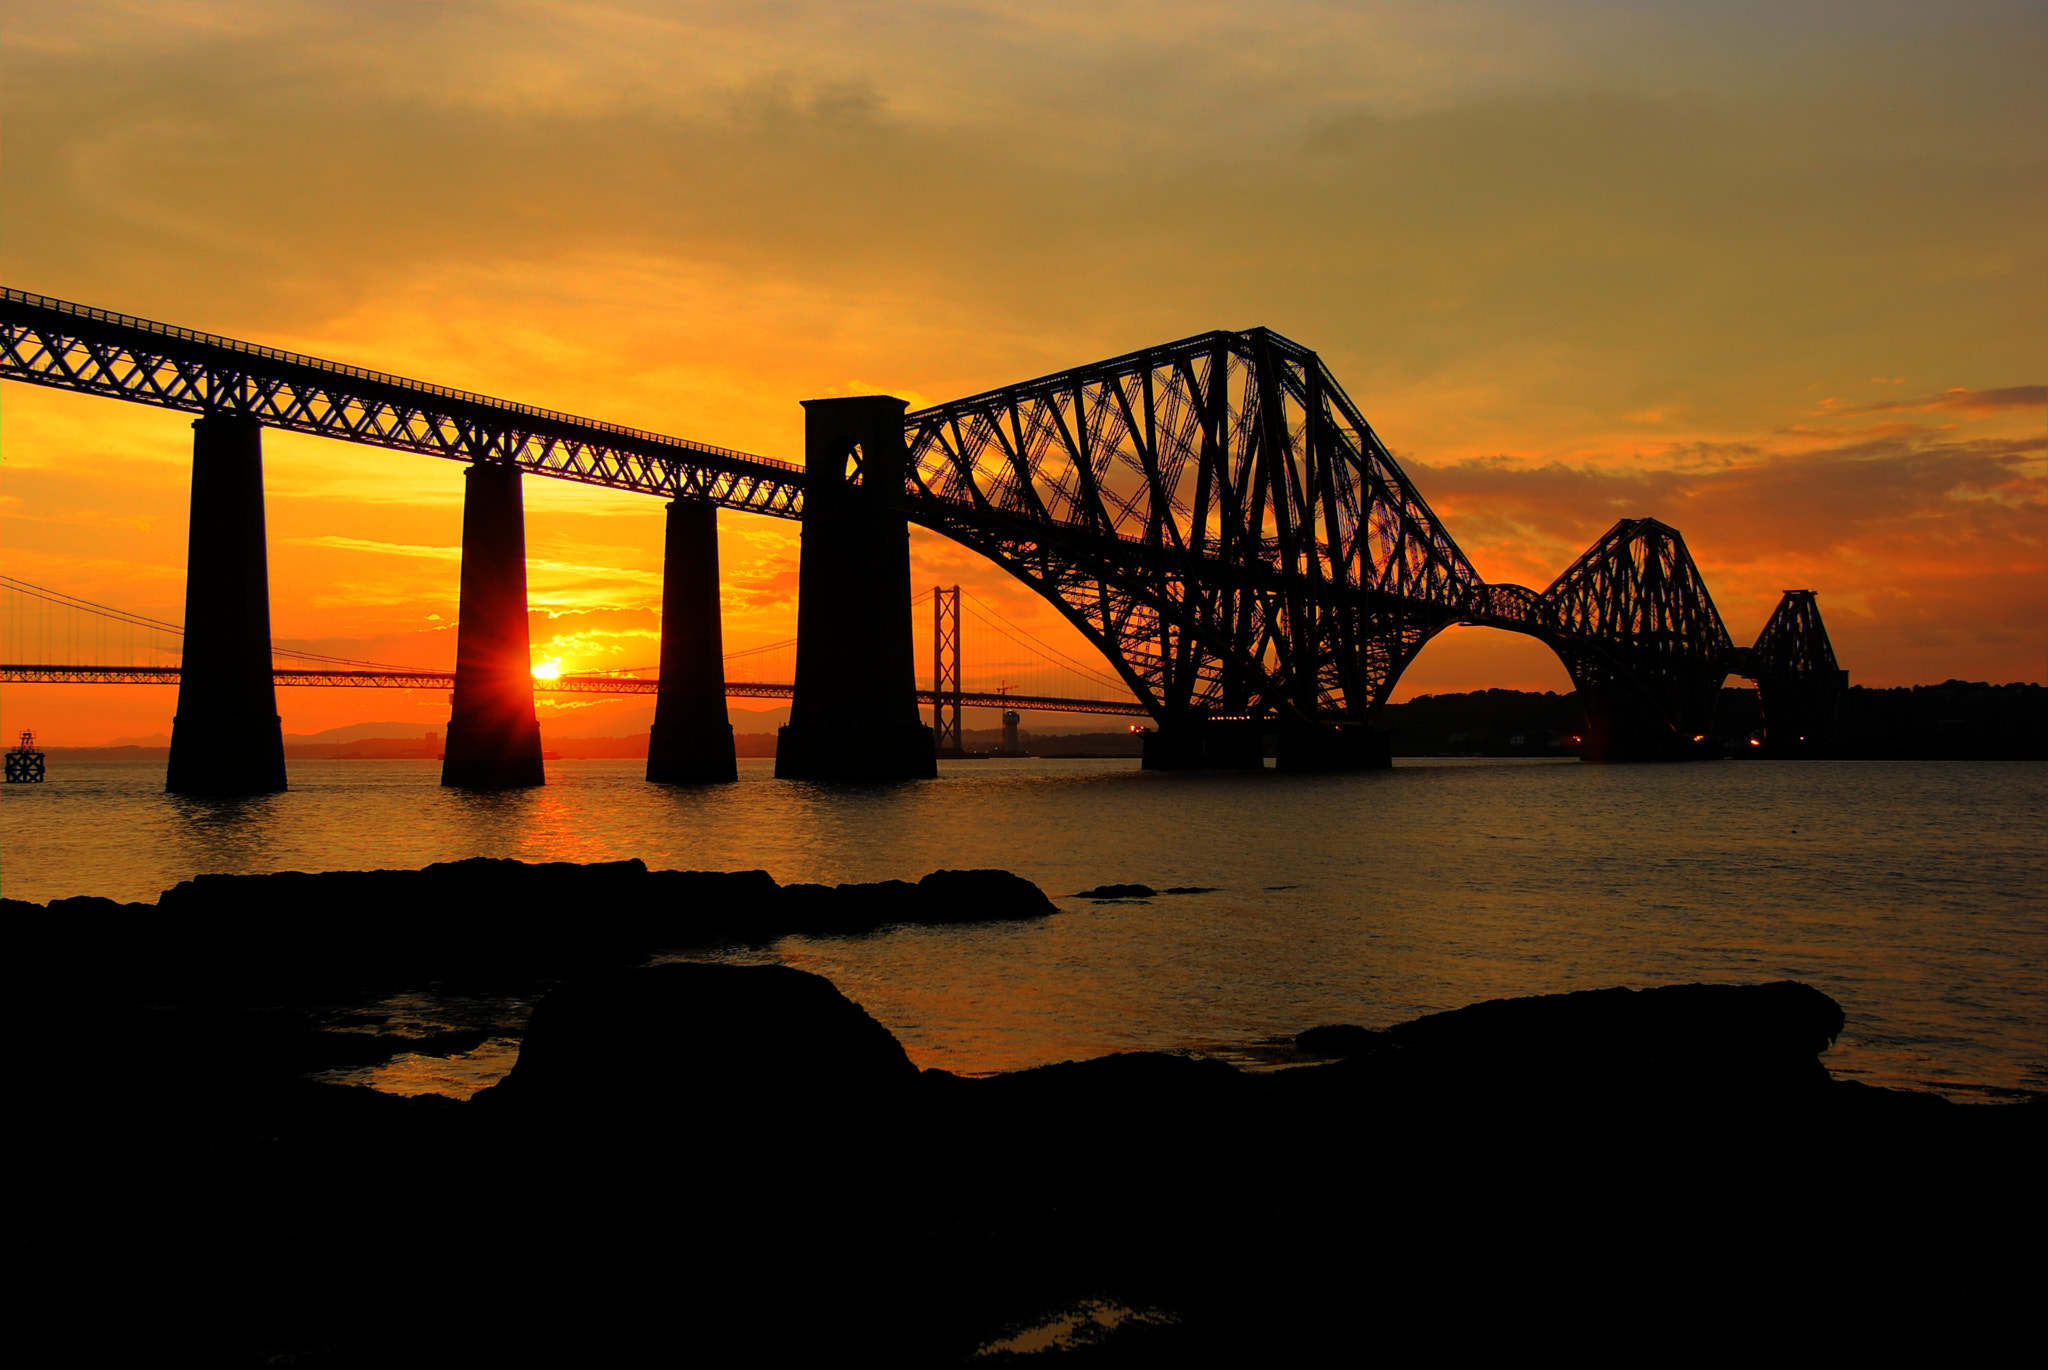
(1776, 274)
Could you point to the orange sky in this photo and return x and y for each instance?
(1773, 274)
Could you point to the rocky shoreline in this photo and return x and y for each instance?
(715, 1164)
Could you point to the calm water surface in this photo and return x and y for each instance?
(1912, 892)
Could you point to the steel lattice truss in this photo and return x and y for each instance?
(1798, 679)
(1214, 514)
(1794, 644)
(1635, 625)
(1220, 521)
(72, 347)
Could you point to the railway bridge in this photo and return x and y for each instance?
(1214, 515)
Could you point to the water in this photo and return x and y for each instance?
(1910, 891)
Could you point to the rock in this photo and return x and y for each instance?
(1149, 1110)
(880, 902)
(815, 910)
(705, 908)
(1707, 1043)
(1118, 892)
(980, 896)
(709, 1046)
(305, 937)
(1339, 1039)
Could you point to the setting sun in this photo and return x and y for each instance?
(549, 669)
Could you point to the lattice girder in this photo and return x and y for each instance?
(72, 347)
(1214, 514)
(1794, 644)
(1634, 622)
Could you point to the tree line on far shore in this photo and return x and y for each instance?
(1955, 720)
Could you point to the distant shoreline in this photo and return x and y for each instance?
(1956, 720)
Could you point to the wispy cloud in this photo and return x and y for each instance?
(395, 549)
(1957, 399)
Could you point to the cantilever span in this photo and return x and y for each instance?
(1215, 514)
(1220, 520)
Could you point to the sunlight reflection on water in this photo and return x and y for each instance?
(1910, 891)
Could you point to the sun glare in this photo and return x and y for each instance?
(549, 669)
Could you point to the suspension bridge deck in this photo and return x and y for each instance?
(567, 684)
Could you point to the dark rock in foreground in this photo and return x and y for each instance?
(479, 919)
(1338, 1039)
(703, 1045)
(1694, 1039)
(1677, 1150)
(714, 1164)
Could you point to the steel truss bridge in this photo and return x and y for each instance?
(1215, 515)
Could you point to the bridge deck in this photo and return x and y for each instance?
(51, 342)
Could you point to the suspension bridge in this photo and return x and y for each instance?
(1214, 515)
(102, 645)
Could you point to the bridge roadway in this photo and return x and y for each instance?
(565, 684)
(1215, 515)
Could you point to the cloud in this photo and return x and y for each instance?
(759, 590)
(1957, 398)
(571, 573)
(395, 549)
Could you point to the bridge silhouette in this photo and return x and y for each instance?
(1214, 515)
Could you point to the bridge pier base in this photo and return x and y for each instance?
(1801, 715)
(1335, 747)
(691, 740)
(227, 737)
(1621, 726)
(493, 732)
(853, 713)
(1208, 744)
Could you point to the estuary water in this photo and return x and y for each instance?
(1915, 893)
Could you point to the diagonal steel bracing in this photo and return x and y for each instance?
(73, 347)
(1214, 514)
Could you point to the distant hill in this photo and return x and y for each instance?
(357, 732)
(1486, 723)
(1959, 719)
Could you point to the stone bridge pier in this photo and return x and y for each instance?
(493, 732)
(227, 737)
(691, 740)
(853, 715)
